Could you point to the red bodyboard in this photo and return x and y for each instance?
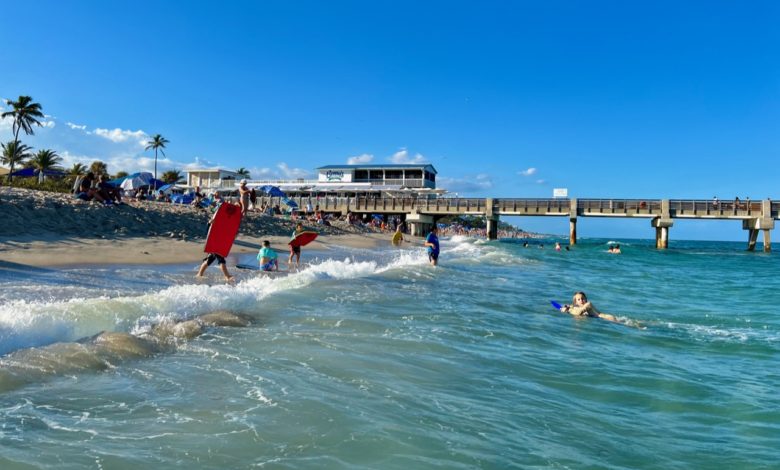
(223, 230)
(303, 239)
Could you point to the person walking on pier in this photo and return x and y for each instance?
(432, 243)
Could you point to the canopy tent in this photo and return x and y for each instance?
(28, 172)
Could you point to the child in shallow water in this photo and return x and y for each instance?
(581, 306)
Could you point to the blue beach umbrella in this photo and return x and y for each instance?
(272, 191)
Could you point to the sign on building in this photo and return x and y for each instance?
(560, 192)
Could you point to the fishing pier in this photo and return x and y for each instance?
(422, 213)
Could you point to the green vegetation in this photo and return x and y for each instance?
(25, 114)
(172, 176)
(14, 153)
(46, 159)
(157, 143)
(473, 221)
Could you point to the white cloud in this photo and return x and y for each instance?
(358, 159)
(76, 126)
(473, 184)
(291, 173)
(48, 124)
(528, 172)
(402, 157)
(541, 181)
(119, 135)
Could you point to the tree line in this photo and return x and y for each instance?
(25, 114)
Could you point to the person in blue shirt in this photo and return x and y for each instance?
(267, 257)
(432, 243)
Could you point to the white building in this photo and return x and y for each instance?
(211, 178)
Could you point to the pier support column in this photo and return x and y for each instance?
(573, 221)
(752, 237)
(492, 220)
(765, 223)
(492, 227)
(419, 224)
(662, 225)
(767, 241)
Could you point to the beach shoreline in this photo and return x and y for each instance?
(52, 251)
(43, 229)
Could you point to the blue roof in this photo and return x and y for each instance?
(379, 167)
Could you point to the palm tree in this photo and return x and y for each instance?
(45, 159)
(98, 168)
(172, 176)
(157, 142)
(25, 114)
(14, 153)
(77, 169)
(244, 173)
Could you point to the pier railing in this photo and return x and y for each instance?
(648, 208)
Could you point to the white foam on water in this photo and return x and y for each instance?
(26, 324)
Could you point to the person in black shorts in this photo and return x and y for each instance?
(295, 251)
(207, 261)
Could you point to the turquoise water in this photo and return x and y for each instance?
(373, 359)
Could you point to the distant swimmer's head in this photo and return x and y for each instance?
(579, 298)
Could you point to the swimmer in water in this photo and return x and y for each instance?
(580, 306)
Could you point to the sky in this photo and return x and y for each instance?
(608, 99)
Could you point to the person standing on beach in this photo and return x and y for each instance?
(295, 250)
(243, 192)
(432, 243)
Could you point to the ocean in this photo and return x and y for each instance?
(372, 359)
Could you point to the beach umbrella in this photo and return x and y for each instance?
(136, 181)
(272, 191)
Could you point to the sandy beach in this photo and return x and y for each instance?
(52, 229)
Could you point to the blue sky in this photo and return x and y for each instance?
(506, 99)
